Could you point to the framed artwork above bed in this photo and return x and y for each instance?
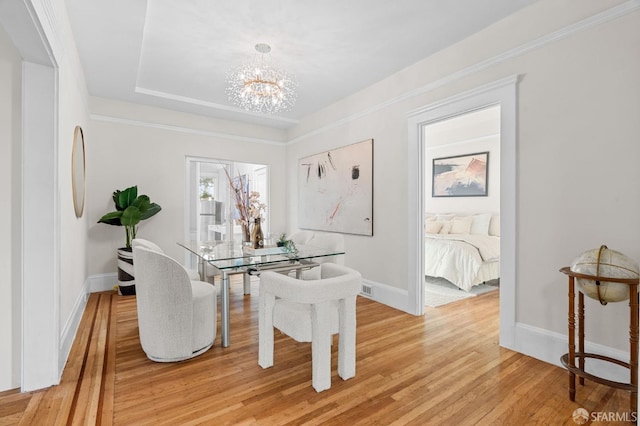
(461, 175)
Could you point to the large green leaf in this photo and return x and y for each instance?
(131, 216)
(142, 203)
(112, 218)
(153, 209)
(116, 198)
(126, 197)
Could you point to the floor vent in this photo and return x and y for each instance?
(366, 290)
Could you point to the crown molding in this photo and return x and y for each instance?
(45, 10)
(587, 23)
(182, 129)
(212, 105)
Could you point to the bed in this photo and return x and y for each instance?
(464, 250)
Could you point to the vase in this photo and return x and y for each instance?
(257, 238)
(246, 236)
(126, 279)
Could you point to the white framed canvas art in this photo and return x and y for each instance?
(335, 190)
(460, 175)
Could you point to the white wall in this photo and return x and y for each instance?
(578, 174)
(10, 135)
(142, 149)
(73, 111)
(577, 149)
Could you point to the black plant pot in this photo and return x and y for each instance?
(126, 279)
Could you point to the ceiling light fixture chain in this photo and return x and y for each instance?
(259, 86)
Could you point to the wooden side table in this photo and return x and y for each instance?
(569, 359)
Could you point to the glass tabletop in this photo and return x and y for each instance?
(224, 255)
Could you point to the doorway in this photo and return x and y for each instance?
(210, 213)
(462, 205)
(503, 93)
(38, 350)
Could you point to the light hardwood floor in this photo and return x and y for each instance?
(442, 369)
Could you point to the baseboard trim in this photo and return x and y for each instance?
(387, 295)
(102, 282)
(93, 284)
(71, 327)
(549, 346)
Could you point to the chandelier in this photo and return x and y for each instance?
(259, 86)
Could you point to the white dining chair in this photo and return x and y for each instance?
(140, 242)
(301, 237)
(176, 315)
(330, 241)
(312, 311)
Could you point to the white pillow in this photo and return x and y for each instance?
(480, 225)
(494, 226)
(429, 217)
(446, 228)
(461, 225)
(432, 227)
(444, 217)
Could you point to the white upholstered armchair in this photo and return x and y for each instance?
(326, 240)
(139, 242)
(176, 316)
(330, 241)
(312, 311)
(301, 237)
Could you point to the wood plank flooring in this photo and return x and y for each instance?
(444, 368)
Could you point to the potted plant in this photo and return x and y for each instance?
(288, 246)
(282, 241)
(131, 209)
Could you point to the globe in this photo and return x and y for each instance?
(604, 262)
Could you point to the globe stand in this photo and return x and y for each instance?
(569, 359)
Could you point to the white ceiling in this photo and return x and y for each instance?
(176, 53)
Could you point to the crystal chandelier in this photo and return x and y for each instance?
(260, 87)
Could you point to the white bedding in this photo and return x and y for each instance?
(465, 260)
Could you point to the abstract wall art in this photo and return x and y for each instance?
(335, 190)
(461, 175)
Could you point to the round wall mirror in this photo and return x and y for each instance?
(78, 171)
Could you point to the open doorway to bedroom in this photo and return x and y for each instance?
(462, 206)
(502, 92)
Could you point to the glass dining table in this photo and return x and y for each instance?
(227, 259)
